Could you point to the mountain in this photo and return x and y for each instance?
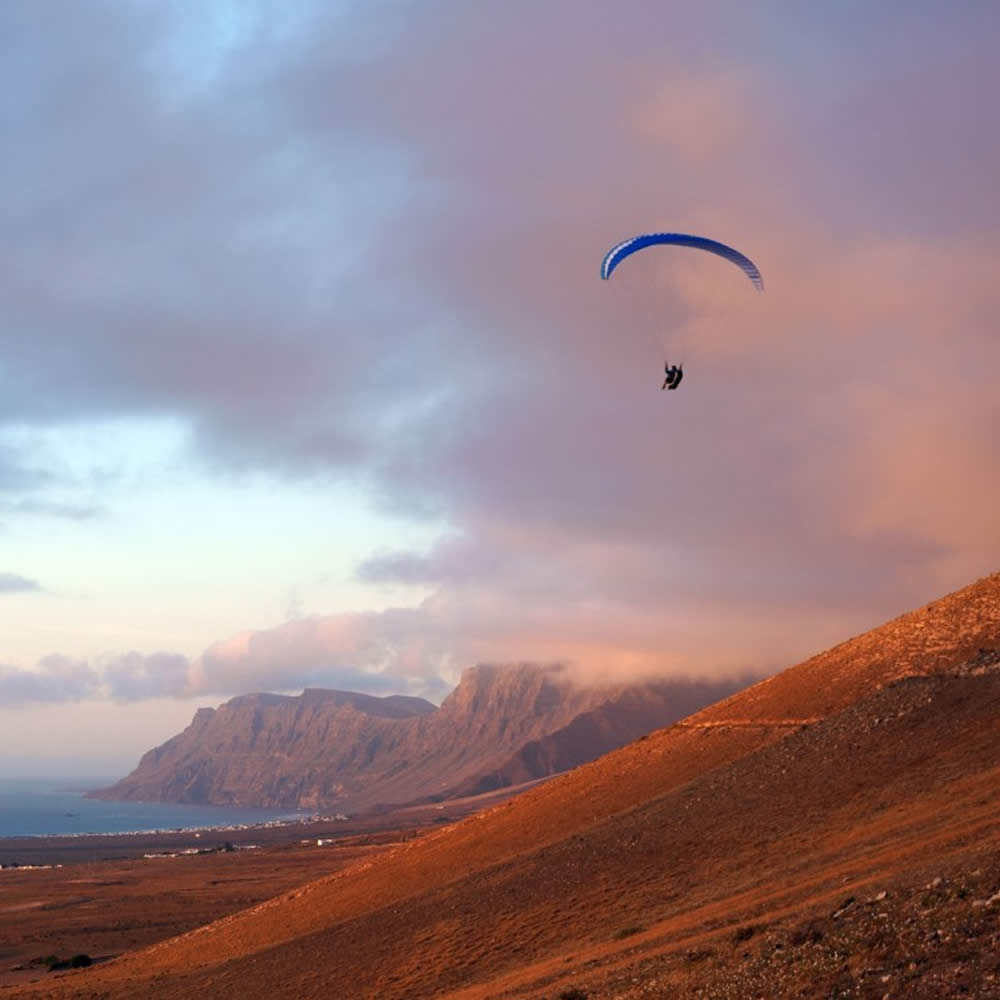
(502, 725)
(831, 831)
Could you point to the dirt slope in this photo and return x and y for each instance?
(931, 639)
(857, 768)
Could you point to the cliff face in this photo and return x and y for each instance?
(628, 715)
(336, 749)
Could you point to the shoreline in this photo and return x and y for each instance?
(215, 828)
(36, 850)
(41, 850)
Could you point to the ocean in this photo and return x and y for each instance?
(46, 806)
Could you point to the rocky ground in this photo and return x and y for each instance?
(930, 937)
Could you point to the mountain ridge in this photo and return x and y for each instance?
(334, 749)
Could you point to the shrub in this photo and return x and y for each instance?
(628, 932)
(698, 955)
(76, 962)
(811, 934)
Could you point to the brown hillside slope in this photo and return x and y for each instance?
(739, 809)
(929, 640)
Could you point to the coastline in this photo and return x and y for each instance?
(58, 806)
(89, 848)
(40, 850)
(157, 831)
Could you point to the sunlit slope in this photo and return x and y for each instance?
(932, 639)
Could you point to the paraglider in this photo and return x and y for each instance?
(618, 253)
(674, 373)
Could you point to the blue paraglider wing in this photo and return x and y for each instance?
(617, 254)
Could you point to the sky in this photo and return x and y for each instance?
(308, 376)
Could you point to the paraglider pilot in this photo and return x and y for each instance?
(674, 374)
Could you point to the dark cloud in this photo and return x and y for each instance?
(13, 583)
(176, 246)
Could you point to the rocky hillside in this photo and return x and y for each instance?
(329, 750)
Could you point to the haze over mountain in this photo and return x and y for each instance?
(829, 831)
(502, 725)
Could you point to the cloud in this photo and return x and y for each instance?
(51, 508)
(379, 261)
(55, 679)
(31, 486)
(391, 652)
(454, 559)
(771, 481)
(17, 475)
(135, 676)
(12, 583)
(387, 652)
